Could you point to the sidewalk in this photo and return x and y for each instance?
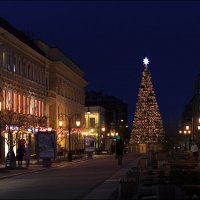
(109, 189)
(33, 167)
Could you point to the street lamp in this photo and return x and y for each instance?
(195, 126)
(78, 123)
(69, 156)
(186, 132)
(103, 129)
(88, 113)
(60, 123)
(100, 130)
(62, 134)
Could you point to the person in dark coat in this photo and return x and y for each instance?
(119, 151)
(20, 155)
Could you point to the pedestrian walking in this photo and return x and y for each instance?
(20, 155)
(119, 151)
(27, 154)
(112, 148)
(195, 150)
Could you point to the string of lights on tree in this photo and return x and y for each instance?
(147, 123)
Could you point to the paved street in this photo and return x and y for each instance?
(75, 180)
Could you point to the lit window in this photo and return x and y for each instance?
(28, 105)
(39, 109)
(15, 102)
(92, 122)
(19, 103)
(8, 100)
(4, 102)
(36, 108)
(32, 109)
(24, 104)
(42, 108)
(11, 100)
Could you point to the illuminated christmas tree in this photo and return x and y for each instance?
(147, 123)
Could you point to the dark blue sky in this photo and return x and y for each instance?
(109, 40)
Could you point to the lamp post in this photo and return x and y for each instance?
(60, 123)
(195, 126)
(69, 156)
(88, 113)
(103, 136)
(100, 130)
(78, 123)
(69, 118)
(10, 117)
(186, 132)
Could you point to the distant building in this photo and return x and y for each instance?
(95, 125)
(189, 126)
(116, 113)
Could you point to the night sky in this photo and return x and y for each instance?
(109, 39)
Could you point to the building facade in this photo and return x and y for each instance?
(65, 98)
(95, 125)
(39, 86)
(116, 113)
(189, 126)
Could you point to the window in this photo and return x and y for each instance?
(14, 64)
(39, 108)
(28, 105)
(36, 107)
(15, 102)
(3, 105)
(23, 68)
(32, 109)
(20, 66)
(24, 104)
(9, 63)
(92, 122)
(42, 109)
(8, 100)
(4, 58)
(19, 103)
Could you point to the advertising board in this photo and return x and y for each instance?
(46, 144)
(89, 143)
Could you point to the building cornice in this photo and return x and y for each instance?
(19, 45)
(67, 73)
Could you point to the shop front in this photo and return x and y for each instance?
(18, 137)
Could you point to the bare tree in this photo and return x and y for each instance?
(12, 122)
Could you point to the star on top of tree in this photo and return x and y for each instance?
(146, 61)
